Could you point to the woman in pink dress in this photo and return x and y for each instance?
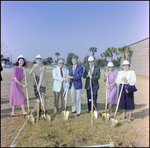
(17, 96)
(112, 86)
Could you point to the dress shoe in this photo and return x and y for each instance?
(78, 115)
(14, 115)
(73, 112)
(46, 112)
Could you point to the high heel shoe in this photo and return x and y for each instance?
(14, 115)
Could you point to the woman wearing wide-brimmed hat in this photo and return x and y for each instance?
(38, 71)
(17, 96)
(127, 100)
(112, 86)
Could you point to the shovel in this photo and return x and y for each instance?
(105, 116)
(31, 119)
(91, 112)
(45, 116)
(65, 113)
(114, 122)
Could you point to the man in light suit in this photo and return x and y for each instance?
(92, 72)
(60, 79)
(75, 75)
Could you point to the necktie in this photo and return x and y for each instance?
(61, 72)
(91, 70)
(73, 68)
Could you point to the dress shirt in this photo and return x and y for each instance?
(73, 67)
(92, 69)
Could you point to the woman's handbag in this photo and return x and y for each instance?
(130, 88)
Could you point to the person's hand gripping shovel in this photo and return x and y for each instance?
(105, 116)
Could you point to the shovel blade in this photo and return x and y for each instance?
(31, 119)
(65, 115)
(105, 117)
(95, 114)
(113, 122)
(48, 117)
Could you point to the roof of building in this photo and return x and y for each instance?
(139, 41)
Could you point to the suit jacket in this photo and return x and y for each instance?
(76, 76)
(95, 75)
(58, 79)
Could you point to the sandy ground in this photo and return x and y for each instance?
(76, 131)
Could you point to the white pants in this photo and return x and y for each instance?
(76, 99)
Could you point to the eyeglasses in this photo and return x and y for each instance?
(61, 63)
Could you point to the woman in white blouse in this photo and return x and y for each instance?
(127, 100)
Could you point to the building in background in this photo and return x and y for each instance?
(139, 57)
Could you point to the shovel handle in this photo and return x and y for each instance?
(39, 94)
(106, 96)
(118, 100)
(91, 103)
(26, 90)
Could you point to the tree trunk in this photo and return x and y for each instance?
(111, 58)
(93, 54)
(124, 57)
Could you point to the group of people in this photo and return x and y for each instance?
(73, 76)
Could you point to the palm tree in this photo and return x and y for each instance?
(111, 51)
(105, 55)
(93, 49)
(57, 54)
(123, 50)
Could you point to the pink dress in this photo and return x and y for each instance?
(111, 92)
(17, 96)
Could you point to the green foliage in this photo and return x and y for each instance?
(85, 61)
(117, 62)
(100, 62)
(57, 54)
(45, 62)
(69, 58)
(111, 51)
(56, 61)
(34, 62)
(2, 56)
(124, 50)
(93, 49)
(49, 60)
(105, 55)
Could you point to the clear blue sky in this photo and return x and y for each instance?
(46, 27)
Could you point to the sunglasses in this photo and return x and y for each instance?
(61, 63)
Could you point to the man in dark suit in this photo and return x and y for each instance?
(75, 75)
(92, 72)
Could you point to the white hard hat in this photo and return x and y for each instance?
(91, 58)
(110, 64)
(20, 56)
(38, 56)
(125, 62)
